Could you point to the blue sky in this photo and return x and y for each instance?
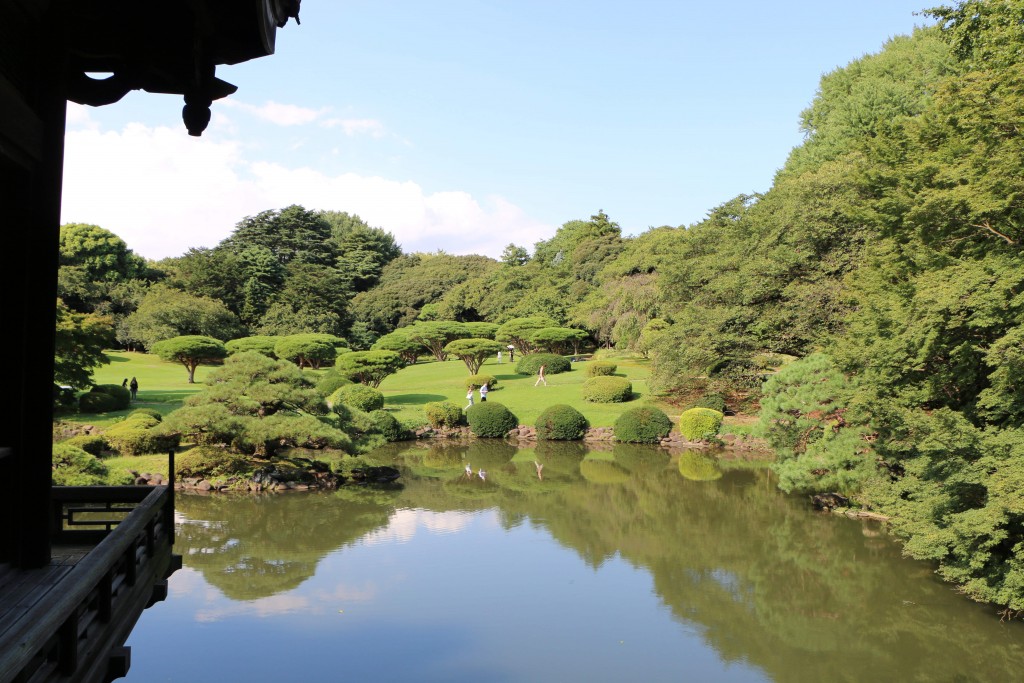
(465, 125)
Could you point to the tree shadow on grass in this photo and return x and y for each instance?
(414, 399)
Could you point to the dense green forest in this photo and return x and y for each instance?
(869, 304)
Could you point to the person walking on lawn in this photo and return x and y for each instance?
(540, 377)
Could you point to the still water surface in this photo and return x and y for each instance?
(622, 565)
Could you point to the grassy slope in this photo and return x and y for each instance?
(163, 386)
(407, 391)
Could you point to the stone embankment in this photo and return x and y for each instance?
(595, 436)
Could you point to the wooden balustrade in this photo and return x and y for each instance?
(79, 629)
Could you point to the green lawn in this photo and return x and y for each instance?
(163, 386)
(407, 391)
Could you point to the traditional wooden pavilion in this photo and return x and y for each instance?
(79, 564)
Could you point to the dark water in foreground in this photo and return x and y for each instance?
(615, 566)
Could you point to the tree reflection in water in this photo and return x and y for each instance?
(803, 596)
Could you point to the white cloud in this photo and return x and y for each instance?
(350, 127)
(277, 113)
(163, 192)
(404, 524)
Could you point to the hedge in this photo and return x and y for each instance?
(644, 424)
(553, 364)
(491, 419)
(358, 396)
(72, 466)
(477, 381)
(713, 401)
(561, 423)
(599, 368)
(331, 381)
(210, 461)
(386, 425)
(93, 444)
(443, 414)
(121, 395)
(700, 424)
(139, 434)
(607, 390)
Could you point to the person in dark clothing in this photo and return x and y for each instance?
(134, 386)
(124, 384)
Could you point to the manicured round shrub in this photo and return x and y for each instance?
(697, 466)
(331, 381)
(148, 411)
(139, 434)
(644, 424)
(210, 461)
(260, 344)
(477, 381)
(600, 368)
(491, 419)
(386, 424)
(700, 424)
(72, 466)
(96, 402)
(93, 444)
(607, 390)
(443, 414)
(122, 396)
(358, 396)
(561, 423)
(712, 401)
(553, 364)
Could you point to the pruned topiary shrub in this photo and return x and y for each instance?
(700, 424)
(712, 401)
(121, 395)
(491, 419)
(97, 402)
(331, 381)
(148, 411)
(443, 414)
(601, 368)
(644, 424)
(72, 466)
(139, 434)
(386, 424)
(607, 390)
(210, 461)
(553, 364)
(358, 396)
(477, 381)
(697, 466)
(561, 423)
(93, 444)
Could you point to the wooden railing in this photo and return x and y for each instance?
(77, 630)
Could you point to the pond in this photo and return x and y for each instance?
(560, 564)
